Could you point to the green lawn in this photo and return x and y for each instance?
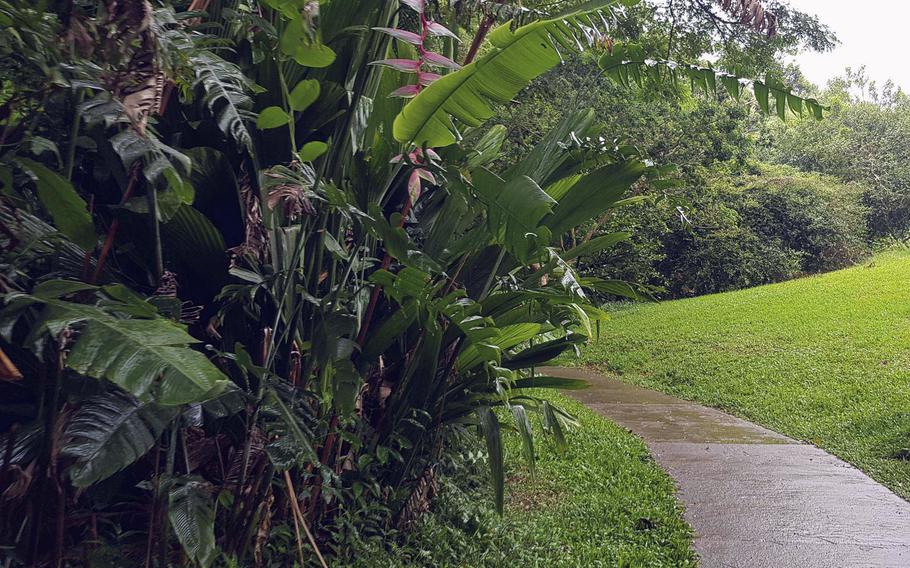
(604, 503)
(825, 359)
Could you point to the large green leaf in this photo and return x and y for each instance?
(516, 58)
(191, 513)
(545, 161)
(507, 337)
(596, 245)
(109, 432)
(514, 211)
(489, 425)
(149, 358)
(593, 194)
(68, 210)
(304, 94)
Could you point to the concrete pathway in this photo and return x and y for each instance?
(754, 497)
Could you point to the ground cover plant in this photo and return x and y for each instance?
(821, 359)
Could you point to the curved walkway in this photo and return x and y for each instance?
(755, 497)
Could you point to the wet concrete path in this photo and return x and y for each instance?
(754, 497)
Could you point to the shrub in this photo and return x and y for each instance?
(719, 252)
(815, 215)
(738, 229)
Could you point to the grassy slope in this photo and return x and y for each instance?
(824, 359)
(604, 503)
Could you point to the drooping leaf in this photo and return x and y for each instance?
(527, 435)
(109, 432)
(68, 210)
(626, 59)
(226, 96)
(191, 513)
(149, 358)
(516, 58)
(552, 425)
(489, 425)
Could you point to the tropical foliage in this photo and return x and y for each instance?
(251, 295)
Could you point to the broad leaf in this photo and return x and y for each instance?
(304, 94)
(489, 425)
(191, 513)
(596, 245)
(149, 358)
(516, 58)
(66, 208)
(109, 432)
(312, 150)
(272, 117)
(514, 211)
(593, 194)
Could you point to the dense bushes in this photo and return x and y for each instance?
(768, 224)
(863, 140)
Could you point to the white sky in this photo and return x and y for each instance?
(871, 32)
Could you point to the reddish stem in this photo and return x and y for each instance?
(482, 30)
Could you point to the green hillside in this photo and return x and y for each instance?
(825, 359)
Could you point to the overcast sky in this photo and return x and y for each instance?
(871, 32)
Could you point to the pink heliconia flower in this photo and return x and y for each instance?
(437, 29)
(427, 78)
(439, 60)
(432, 154)
(406, 91)
(414, 186)
(406, 65)
(403, 35)
(426, 174)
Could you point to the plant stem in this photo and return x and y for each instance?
(295, 506)
(286, 97)
(152, 197)
(482, 30)
(74, 133)
(492, 277)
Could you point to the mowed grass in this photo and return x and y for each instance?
(604, 503)
(824, 359)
